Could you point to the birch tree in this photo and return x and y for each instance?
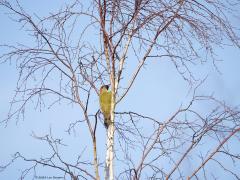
(87, 44)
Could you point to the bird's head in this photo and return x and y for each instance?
(104, 88)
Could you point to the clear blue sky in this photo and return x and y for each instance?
(165, 97)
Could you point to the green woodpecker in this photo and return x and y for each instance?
(105, 99)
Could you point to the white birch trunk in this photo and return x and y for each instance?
(109, 170)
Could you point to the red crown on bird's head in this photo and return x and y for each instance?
(104, 86)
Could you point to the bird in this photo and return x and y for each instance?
(105, 101)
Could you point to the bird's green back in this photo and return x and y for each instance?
(105, 102)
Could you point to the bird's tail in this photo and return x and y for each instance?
(107, 121)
